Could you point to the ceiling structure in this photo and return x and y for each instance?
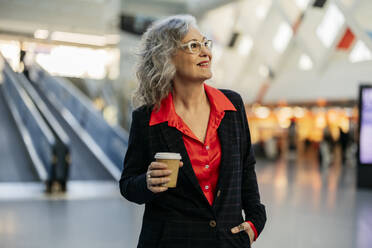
(281, 50)
(289, 50)
(267, 50)
(160, 8)
(84, 16)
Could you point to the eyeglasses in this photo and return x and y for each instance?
(194, 46)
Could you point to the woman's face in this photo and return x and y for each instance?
(193, 66)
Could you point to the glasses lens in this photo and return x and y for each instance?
(208, 44)
(194, 46)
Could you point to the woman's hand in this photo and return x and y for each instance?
(244, 227)
(157, 176)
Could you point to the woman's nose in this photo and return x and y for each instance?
(204, 51)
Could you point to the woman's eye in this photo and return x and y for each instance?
(193, 45)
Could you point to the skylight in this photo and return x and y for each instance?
(245, 45)
(331, 24)
(360, 53)
(261, 11)
(282, 37)
(302, 4)
(305, 63)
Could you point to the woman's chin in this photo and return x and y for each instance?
(208, 76)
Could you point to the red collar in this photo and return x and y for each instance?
(219, 103)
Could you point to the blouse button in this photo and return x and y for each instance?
(206, 187)
(212, 223)
(207, 166)
(207, 147)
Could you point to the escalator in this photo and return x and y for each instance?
(84, 165)
(15, 163)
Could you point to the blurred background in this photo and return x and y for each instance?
(303, 68)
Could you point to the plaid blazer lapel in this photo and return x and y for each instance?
(226, 135)
(174, 141)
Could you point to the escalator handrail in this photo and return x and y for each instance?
(39, 103)
(62, 94)
(83, 99)
(40, 166)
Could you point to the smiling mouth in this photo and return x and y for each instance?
(204, 64)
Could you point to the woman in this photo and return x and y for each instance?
(208, 127)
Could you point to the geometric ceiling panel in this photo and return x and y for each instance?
(346, 40)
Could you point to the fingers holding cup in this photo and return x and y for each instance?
(173, 164)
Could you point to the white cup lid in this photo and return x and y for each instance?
(167, 155)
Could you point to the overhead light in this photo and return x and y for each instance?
(285, 113)
(302, 4)
(360, 52)
(41, 34)
(282, 37)
(79, 62)
(320, 120)
(305, 63)
(261, 12)
(284, 116)
(299, 112)
(245, 45)
(88, 39)
(10, 50)
(332, 22)
(262, 112)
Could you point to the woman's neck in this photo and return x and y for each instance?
(189, 97)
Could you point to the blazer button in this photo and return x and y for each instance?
(213, 223)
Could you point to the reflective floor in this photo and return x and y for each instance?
(307, 205)
(314, 206)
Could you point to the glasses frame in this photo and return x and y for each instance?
(187, 46)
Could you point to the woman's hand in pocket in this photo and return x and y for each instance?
(246, 228)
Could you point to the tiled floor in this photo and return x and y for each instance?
(307, 207)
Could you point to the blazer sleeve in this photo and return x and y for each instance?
(253, 208)
(133, 184)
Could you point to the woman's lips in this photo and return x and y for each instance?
(204, 64)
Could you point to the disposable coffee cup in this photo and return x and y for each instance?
(173, 162)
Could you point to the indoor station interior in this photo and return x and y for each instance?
(67, 75)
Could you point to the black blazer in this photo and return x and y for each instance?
(182, 217)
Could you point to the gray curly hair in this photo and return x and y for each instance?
(155, 69)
